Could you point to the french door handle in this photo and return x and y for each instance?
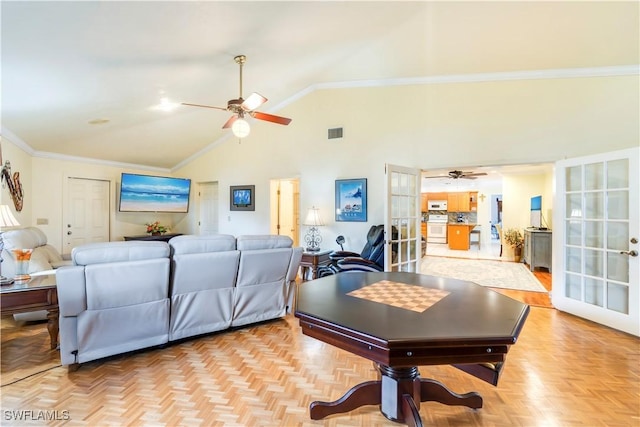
(630, 253)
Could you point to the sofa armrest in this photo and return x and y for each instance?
(72, 293)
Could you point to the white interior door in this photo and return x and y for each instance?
(598, 230)
(87, 212)
(402, 219)
(208, 211)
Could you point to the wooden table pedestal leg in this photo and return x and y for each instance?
(399, 393)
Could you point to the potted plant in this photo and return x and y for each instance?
(514, 238)
(155, 229)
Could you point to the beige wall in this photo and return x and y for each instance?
(422, 126)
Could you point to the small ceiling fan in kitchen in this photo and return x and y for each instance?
(456, 174)
(241, 107)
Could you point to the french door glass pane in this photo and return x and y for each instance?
(573, 287)
(593, 176)
(574, 233)
(593, 263)
(574, 258)
(594, 291)
(594, 234)
(574, 206)
(618, 173)
(574, 178)
(618, 267)
(618, 298)
(594, 205)
(617, 233)
(618, 204)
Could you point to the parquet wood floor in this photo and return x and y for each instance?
(564, 371)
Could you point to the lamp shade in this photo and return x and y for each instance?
(6, 217)
(240, 128)
(313, 217)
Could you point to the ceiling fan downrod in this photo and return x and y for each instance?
(240, 60)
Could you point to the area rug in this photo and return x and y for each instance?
(494, 274)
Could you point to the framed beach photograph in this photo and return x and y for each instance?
(351, 200)
(243, 197)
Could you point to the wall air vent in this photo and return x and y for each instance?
(335, 133)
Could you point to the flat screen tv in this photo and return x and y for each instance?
(536, 212)
(145, 193)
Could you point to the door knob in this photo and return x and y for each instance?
(69, 233)
(630, 253)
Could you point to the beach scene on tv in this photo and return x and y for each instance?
(143, 193)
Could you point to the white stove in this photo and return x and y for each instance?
(437, 228)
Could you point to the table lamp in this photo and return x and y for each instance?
(312, 238)
(6, 220)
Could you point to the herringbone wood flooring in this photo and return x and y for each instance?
(564, 371)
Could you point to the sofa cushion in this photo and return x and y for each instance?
(250, 243)
(108, 252)
(189, 244)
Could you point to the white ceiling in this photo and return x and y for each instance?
(65, 64)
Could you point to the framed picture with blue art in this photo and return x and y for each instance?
(243, 198)
(351, 200)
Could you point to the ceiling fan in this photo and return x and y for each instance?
(455, 174)
(240, 106)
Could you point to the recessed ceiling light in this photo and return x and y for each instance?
(98, 121)
(166, 105)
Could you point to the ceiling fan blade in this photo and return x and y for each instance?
(473, 174)
(270, 118)
(253, 101)
(204, 106)
(230, 121)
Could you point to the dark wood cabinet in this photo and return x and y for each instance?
(162, 237)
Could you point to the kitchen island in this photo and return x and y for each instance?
(459, 235)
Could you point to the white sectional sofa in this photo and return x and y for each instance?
(124, 296)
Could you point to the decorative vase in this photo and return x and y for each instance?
(23, 256)
(155, 233)
(517, 254)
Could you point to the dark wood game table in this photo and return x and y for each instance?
(401, 321)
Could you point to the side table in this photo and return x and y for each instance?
(313, 260)
(38, 293)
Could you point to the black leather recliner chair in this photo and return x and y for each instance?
(371, 258)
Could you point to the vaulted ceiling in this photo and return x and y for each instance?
(66, 65)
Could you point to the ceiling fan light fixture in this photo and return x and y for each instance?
(240, 128)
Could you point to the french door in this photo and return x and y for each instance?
(402, 219)
(597, 230)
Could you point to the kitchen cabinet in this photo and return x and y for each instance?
(458, 202)
(423, 229)
(537, 248)
(436, 196)
(458, 236)
(423, 203)
(473, 201)
(465, 201)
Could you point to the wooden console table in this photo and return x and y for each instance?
(162, 237)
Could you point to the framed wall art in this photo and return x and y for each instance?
(351, 200)
(242, 197)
